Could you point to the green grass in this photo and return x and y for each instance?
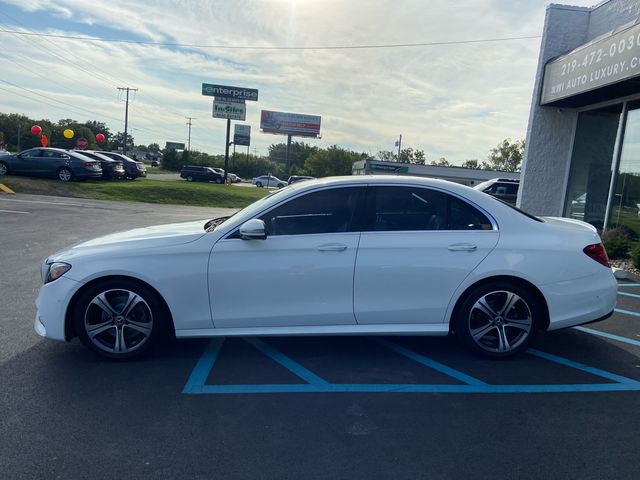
(178, 192)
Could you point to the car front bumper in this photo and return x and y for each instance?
(51, 304)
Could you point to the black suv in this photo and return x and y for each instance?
(193, 173)
(503, 188)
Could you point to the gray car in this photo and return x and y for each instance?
(51, 162)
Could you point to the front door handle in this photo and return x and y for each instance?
(462, 247)
(332, 248)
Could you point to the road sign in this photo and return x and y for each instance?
(82, 143)
(228, 99)
(229, 110)
(242, 135)
(175, 145)
(224, 91)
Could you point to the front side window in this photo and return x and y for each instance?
(325, 211)
(415, 209)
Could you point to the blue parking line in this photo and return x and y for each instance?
(291, 365)
(202, 369)
(417, 388)
(581, 366)
(625, 294)
(618, 338)
(431, 363)
(627, 312)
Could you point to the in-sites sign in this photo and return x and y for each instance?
(232, 111)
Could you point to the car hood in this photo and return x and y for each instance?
(139, 238)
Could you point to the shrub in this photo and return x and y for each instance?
(617, 242)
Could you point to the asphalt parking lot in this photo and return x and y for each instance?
(332, 407)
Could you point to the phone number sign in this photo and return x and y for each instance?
(594, 65)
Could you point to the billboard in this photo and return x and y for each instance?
(175, 145)
(224, 91)
(230, 110)
(290, 123)
(242, 135)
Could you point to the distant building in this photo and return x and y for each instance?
(465, 176)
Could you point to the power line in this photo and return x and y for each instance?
(254, 47)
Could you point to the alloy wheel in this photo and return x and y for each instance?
(64, 174)
(118, 321)
(500, 321)
(3, 169)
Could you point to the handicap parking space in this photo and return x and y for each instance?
(600, 357)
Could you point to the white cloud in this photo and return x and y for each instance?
(456, 101)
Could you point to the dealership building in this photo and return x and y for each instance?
(465, 176)
(582, 157)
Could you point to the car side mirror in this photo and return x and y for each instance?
(253, 229)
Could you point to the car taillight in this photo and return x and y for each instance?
(89, 164)
(598, 253)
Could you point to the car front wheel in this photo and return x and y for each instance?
(65, 174)
(119, 319)
(4, 168)
(189, 178)
(259, 184)
(499, 319)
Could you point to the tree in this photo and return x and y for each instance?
(470, 164)
(506, 156)
(443, 162)
(171, 160)
(386, 156)
(298, 153)
(331, 161)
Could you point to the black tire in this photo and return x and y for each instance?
(189, 178)
(493, 332)
(259, 184)
(280, 185)
(65, 174)
(139, 329)
(4, 168)
(218, 181)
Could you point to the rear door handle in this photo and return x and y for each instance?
(332, 248)
(462, 247)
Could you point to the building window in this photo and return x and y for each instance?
(625, 206)
(590, 174)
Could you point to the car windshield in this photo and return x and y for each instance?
(251, 210)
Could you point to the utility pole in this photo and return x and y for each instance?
(126, 115)
(399, 143)
(189, 123)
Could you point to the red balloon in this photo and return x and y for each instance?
(36, 129)
(100, 138)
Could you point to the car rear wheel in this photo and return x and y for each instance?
(499, 319)
(259, 184)
(4, 168)
(218, 180)
(189, 178)
(65, 174)
(119, 319)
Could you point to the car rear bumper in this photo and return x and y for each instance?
(88, 175)
(580, 301)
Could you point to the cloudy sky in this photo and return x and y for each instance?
(454, 101)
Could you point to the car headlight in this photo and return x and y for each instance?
(54, 271)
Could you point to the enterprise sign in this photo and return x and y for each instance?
(594, 65)
(223, 91)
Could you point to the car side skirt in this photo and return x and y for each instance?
(431, 329)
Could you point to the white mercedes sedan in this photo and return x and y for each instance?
(350, 255)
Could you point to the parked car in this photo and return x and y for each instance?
(269, 181)
(155, 163)
(193, 173)
(51, 162)
(503, 188)
(111, 169)
(133, 168)
(234, 178)
(351, 255)
(298, 178)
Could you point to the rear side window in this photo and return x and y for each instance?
(326, 211)
(419, 209)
